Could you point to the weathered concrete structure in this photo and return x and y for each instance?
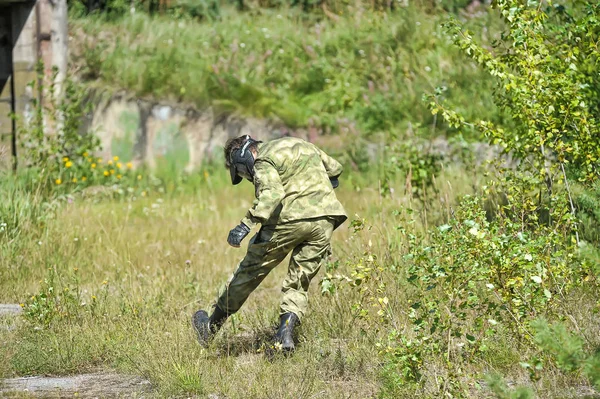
(159, 134)
(30, 31)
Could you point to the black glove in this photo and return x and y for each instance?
(237, 234)
(334, 181)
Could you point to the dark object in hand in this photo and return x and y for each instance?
(334, 182)
(237, 234)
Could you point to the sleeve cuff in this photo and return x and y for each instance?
(248, 222)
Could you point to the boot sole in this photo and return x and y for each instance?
(200, 322)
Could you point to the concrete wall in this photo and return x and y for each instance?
(171, 135)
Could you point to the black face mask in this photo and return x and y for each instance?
(242, 163)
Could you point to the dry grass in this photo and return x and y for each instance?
(150, 263)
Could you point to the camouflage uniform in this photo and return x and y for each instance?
(298, 211)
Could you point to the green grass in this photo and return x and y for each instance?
(366, 70)
(129, 274)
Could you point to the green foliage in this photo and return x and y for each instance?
(587, 203)
(502, 391)
(211, 9)
(556, 341)
(22, 206)
(197, 9)
(561, 346)
(540, 71)
(473, 278)
(419, 166)
(364, 72)
(567, 350)
(60, 301)
(490, 272)
(55, 129)
(59, 154)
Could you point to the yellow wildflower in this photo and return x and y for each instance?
(65, 159)
(99, 160)
(139, 177)
(74, 180)
(119, 176)
(93, 166)
(58, 181)
(110, 162)
(68, 164)
(116, 158)
(106, 173)
(85, 154)
(112, 171)
(83, 178)
(119, 165)
(129, 165)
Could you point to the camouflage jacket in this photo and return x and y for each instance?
(291, 180)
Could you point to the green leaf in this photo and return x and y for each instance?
(444, 228)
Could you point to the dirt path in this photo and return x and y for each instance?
(10, 309)
(94, 385)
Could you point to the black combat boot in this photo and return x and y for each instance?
(206, 327)
(285, 334)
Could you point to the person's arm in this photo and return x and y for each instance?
(269, 194)
(334, 168)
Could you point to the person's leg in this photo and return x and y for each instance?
(307, 259)
(266, 250)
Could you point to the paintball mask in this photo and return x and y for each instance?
(242, 162)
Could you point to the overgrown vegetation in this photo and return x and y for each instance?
(450, 274)
(360, 72)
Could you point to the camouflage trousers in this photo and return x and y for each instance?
(309, 242)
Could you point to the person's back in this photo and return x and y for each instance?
(304, 171)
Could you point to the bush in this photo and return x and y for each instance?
(483, 272)
(57, 155)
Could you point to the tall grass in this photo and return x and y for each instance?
(362, 70)
(113, 283)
